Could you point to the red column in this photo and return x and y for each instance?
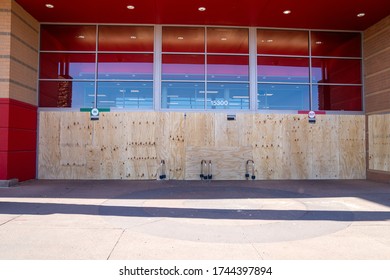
(18, 136)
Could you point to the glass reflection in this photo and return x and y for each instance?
(66, 94)
(67, 66)
(183, 67)
(227, 68)
(183, 95)
(283, 97)
(282, 69)
(183, 39)
(134, 95)
(126, 38)
(337, 98)
(68, 37)
(228, 96)
(342, 71)
(227, 40)
(338, 44)
(282, 42)
(125, 67)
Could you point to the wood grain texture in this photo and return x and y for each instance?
(131, 145)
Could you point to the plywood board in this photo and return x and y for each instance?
(228, 163)
(75, 135)
(325, 147)
(297, 151)
(131, 145)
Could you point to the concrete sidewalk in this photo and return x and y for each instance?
(195, 220)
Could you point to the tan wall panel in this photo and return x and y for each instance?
(378, 62)
(352, 149)
(378, 102)
(23, 93)
(5, 15)
(4, 89)
(375, 43)
(23, 53)
(377, 83)
(377, 90)
(377, 66)
(5, 40)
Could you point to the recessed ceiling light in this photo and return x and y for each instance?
(133, 37)
(361, 14)
(223, 39)
(80, 37)
(286, 12)
(270, 41)
(130, 7)
(202, 9)
(180, 38)
(50, 6)
(319, 42)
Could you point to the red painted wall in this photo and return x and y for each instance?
(18, 134)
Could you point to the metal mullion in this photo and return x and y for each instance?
(96, 65)
(253, 102)
(157, 68)
(310, 74)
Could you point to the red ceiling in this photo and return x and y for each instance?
(310, 14)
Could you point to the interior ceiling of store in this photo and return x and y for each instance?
(310, 14)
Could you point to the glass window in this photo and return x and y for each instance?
(282, 42)
(67, 66)
(136, 95)
(126, 38)
(339, 44)
(337, 98)
(68, 38)
(228, 40)
(66, 94)
(183, 95)
(228, 96)
(183, 67)
(227, 68)
(121, 66)
(183, 39)
(283, 97)
(339, 71)
(283, 69)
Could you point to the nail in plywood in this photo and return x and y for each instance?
(75, 134)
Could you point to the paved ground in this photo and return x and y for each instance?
(195, 220)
